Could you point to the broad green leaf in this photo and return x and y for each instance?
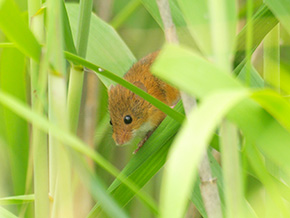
(191, 72)
(16, 30)
(279, 108)
(281, 9)
(21, 199)
(162, 106)
(199, 78)
(186, 154)
(6, 213)
(105, 47)
(147, 161)
(263, 130)
(73, 142)
(12, 80)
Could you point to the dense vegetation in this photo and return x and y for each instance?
(227, 157)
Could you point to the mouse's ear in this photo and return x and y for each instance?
(140, 85)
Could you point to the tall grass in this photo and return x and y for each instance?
(242, 115)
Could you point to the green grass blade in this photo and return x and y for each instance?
(106, 48)
(188, 71)
(84, 21)
(223, 19)
(76, 76)
(281, 9)
(147, 161)
(12, 77)
(69, 42)
(70, 140)
(256, 81)
(17, 199)
(5, 213)
(272, 186)
(163, 107)
(271, 56)
(261, 129)
(232, 172)
(263, 21)
(125, 13)
(15, 28)
(186, 154)
(276, 105)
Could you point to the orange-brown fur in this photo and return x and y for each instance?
(123, 102)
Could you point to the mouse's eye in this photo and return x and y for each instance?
(111, 122)
(128, 119)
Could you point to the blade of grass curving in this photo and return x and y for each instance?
(174, 59)
(106, 48)
(147, 161)
(119, 19)
(281, 9)
(276, 105)
(21, 199)
(263, 21)
(186, 154)
(15, 28)
(163, 107)
(72, 141)
(6, 213)
(257, 125)
(268, 181)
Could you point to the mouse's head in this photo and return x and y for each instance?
(129, 114)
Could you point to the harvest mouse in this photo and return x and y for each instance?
(130, 114)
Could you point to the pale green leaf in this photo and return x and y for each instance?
(72, 141)
(12, 80)
(186, 154)
(16, 30)
(191, 73)
(6, 213)
(281, 9)
(105, 47)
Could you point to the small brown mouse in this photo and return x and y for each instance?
(130, 114)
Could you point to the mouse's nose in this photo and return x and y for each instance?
(122, 138)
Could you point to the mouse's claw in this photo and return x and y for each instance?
(142, 142)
